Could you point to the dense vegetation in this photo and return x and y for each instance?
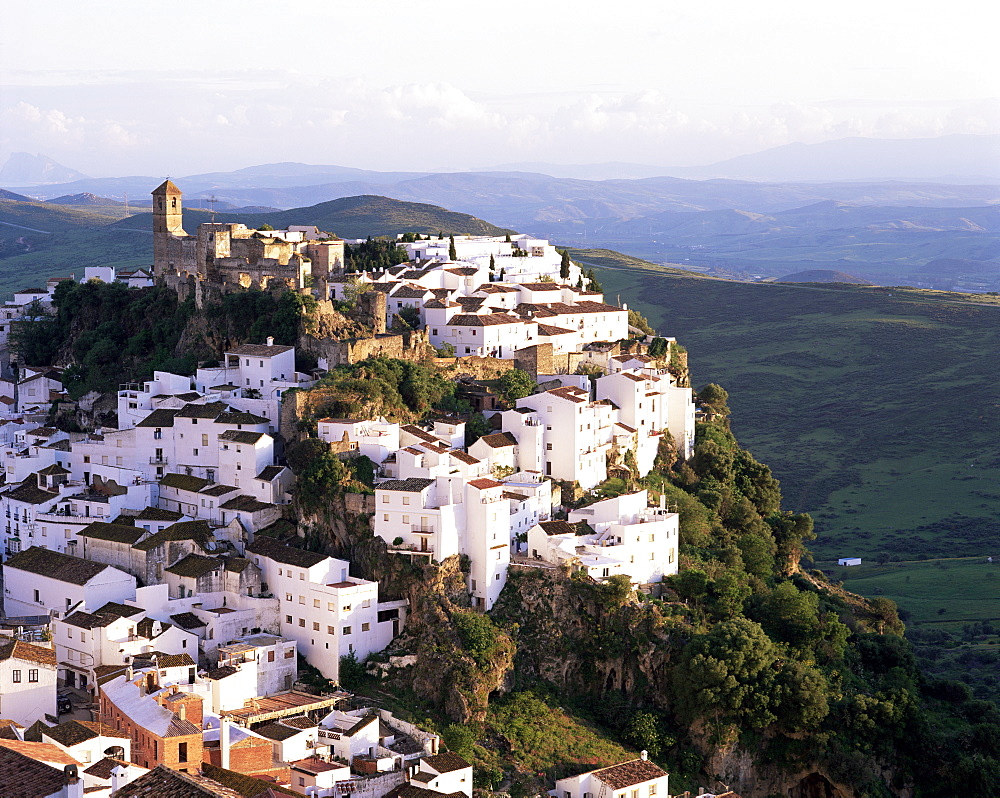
(876, 409)
(107, 334)
(755, 653)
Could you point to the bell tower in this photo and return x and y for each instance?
(167, 223)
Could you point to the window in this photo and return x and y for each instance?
(315, 626)
(37, 598)
(385, 500)
(330, 630)
(302, 622)
(330, 606)
(548, 447)
(385, 516)
(302, 599)
(15, 677)
(182, 752)
(288, 596)
(289, 653)
(316, 603)
(406, 500)
(365, 627)
(288, 619)
(204, 440)
(302, 576)
(652, 789)
(347, 630)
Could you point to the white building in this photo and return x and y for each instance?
(638, 778)
(255, 665)
(568, 437)
(27, 681)
(89, 742)
(622, 536)
(651, 402)
(448, 515)
(376, 439)
(43, 582)
(327, 612)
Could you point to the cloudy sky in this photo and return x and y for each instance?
(113, 87)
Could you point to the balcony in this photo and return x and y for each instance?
(158, 460)
(421, 530)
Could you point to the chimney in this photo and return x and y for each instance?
(118, 774)
(270, 341)
(224, 743)
(72, 783)
(644, 755)
(182, 711)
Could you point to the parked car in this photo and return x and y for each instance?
(64, 703)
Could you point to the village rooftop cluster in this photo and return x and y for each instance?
(143, 575)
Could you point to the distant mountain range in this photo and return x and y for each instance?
(888, 232)
(25, 169)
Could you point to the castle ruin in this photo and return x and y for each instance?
(224, 256)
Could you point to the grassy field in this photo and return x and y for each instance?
(876, 408)
(927, 588)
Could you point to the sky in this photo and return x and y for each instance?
(117, 87)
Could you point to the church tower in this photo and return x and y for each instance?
(167, 223)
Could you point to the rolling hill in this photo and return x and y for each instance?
(41, 240)
(349, 217)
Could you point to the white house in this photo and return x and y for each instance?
(43, 582)
(328, 613)
(27, 681)
(254, 665)
(448, 515)
(576, 434)
(89, 742)
(638, 778)
(616, 536)
(446, 773)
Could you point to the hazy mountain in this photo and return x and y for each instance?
(612, 170)
(84, 198)
(349, 217)
(951, 159)
(10, 195)
(822, 276)
(25, 169)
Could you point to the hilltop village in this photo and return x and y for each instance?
(161, 609)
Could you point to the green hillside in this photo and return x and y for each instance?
(875, 407)
(42, 240)
(350, 217)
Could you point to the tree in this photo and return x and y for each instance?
(475, 428)
(658, 347)
(516, 384)
(640, 322)
(493, 266)
(452, 252)
(410, 315)
(265, 227)
(355, 288)
(713, 398)
(564, 265)
(729, 673)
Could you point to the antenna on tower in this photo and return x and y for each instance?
(211, 201)
(126, 205)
